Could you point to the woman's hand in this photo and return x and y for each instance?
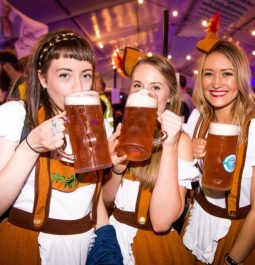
(171, 124)
(49, 135)
(119, 162)
(198, 147)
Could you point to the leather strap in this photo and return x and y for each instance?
(232, 201)
(141, 217)
(53, 226)
(232, 210)
(130, 218)
(42, 194)
(218, 211)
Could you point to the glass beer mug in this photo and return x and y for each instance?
(220, 158)
(85, 126)
(139, 122)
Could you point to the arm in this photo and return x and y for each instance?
(102, 216)
(111, 186)
(168, 197)
(245, 241)
(15, 168)
(16, 163)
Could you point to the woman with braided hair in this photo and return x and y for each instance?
(51, 219)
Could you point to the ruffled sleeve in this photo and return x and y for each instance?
(251, 144)
(187, 173)
(12, 115)
(192, 121)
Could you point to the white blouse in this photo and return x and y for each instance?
(204, 230)
(126, 200)
(54, 249)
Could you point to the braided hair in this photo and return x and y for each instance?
(54, 45)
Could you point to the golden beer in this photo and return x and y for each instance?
(220, 157)
(139, 121)
(86, 131)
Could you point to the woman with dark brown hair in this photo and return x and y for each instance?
(51, 220)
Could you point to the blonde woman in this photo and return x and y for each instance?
(156, 186)
(223, 94)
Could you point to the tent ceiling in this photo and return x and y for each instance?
(120, 23)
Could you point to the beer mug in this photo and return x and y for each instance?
(139, 122)
(220, 158)
(85, 126)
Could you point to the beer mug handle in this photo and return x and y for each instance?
(200, 165)
(160, 140)
(63, 154)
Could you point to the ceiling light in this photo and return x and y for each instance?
(204, 23)
(149, 54)
(100, 45)
(253, 52)
(169, 56)
(253, 32)
(140, 2)
(175, 13)
(188, 57)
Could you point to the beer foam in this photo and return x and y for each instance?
(142, 99)
(224, 129)
(82, 98)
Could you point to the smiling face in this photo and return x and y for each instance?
(147, 76)
(219, 82)
(64, 76)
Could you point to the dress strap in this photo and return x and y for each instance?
(25, 219)
(232, 201)
(232, 197)
(42, 193)
(141, 217)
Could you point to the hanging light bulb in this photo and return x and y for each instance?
(100, 45)
(175, 13)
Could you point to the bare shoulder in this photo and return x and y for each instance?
(185, 147)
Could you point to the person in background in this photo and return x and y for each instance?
(187, 103)
(99, 86)
(4, 85)
(157, 185)
(52, 219)
(220, 228)
(12, 68)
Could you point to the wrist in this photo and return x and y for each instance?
(118, 171)
(30, 147)
(229, 261)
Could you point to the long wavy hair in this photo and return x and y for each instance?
(53, 45)
(244, 103)
(147, 171)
